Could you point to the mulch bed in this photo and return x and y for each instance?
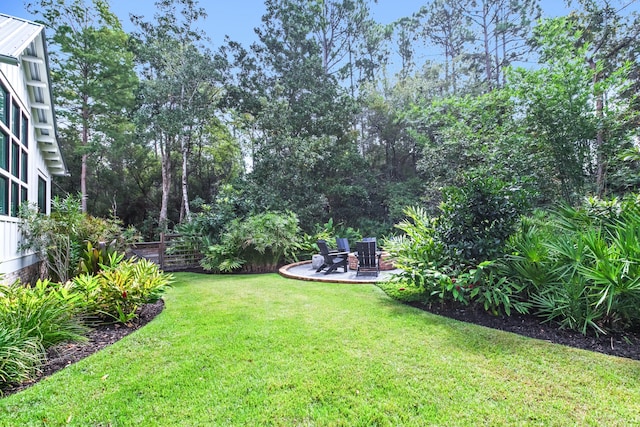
(627, 345)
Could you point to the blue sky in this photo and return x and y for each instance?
(238, 18)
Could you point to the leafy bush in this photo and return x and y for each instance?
(44, 312)
(423, 259)
(258, 243)
(117, 291)
(59, 238)
(488, 285)
(581, 265)
(478, 217)
(418, 253)
(206, 227)
(93, 259)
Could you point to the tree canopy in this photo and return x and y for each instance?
(331, 115)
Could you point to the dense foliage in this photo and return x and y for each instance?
(38, 317)
(575, 267)
(580, 265)
(65, 239)
(330, 115)
(258, 243)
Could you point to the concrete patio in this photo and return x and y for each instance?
(304, 271)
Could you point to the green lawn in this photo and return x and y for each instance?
(264, 350)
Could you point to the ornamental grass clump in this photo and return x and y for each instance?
(20, 356)
(34, 319)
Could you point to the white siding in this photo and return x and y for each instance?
(12, 77)
(24, 73)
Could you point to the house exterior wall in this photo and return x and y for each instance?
(12, 261)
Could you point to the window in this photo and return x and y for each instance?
(24, 170)
(42, 195)
(4, 101)
(15, 160)
(4, 196)
(25, 131)
(15, 198)
(15, 124)
(14, 153)
(4, 151)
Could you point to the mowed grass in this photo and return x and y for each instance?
(264, 350)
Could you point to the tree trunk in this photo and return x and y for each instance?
(600, 158)
(185, 213)
(487, 51)
(163, 220)
(85, 144)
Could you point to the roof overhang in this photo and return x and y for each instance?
(22, 43)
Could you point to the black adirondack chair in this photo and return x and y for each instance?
(343, 244)
(368, 258)
(332, 260)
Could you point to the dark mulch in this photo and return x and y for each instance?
(627, 345)
(61, 356)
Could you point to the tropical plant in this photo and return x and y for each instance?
(117, 291)
(33, 319)
(43, 312)
(94, 258)
(488, 285)
(418, 253)
(259, 243)
(59, 238)
(581, 266)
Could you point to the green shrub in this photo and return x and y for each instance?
(423, 259)
(418, 253)
(581, 266)
(60, 238)
(33, 319)
(259, 243)
(94, 258)
(488, 285)
(117, 291)
(52, 316)
(478, 216)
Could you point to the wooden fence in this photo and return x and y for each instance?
(168, 254)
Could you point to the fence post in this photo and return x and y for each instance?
(161, 249)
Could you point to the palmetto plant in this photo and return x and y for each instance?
(258, 243)
(582, 265)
